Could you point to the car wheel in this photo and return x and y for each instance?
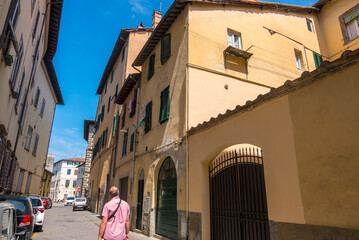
(39, 228)
(73, 209)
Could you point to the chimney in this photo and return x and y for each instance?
(156, 18)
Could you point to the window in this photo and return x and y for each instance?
(165, 48)
(114, 124)
(133, 104)
(103, 139)
(106, 135)
(20, 88)
(111, 76)
(234, 39)
(151, 67)
(109, 104)
(42, 107)
(317, 59)
(310, 25)
(37, 96)
(148, 117)
(28, 138)
(124, 145)
(74, 183)
(123, 54)
(10, 26)
(106, 88)
(34, 150)
(123, 116)
(165, 104)
(67, 183)
(76, 171)
(102, 112)
(116, 89)
(35, 26)
(68, 171)
(132, 141)
(16, 67)
(298, 58)
(349, 23)
(20, 180)
(69, 163)
(28, 183)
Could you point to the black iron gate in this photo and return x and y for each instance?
(238, 202)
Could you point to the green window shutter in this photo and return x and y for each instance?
(113, 126)
(317, 59)
(74, 183)
(165, 105)
(165, 47)
(148, 117)
(68, 171)
(67, 183)
(151, 67)
(112, 76)
(353, 15)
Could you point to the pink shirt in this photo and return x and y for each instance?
(116, 228)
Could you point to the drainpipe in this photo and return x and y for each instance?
(29, 84)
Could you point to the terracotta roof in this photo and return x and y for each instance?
(178, 5)
(307, 78)
(53, 36)
(87, 124)
(127, 88)
(122, 37)
(321, 3)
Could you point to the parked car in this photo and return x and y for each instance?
(69, 201)
(8, 221)
(79, 203)
(47, 202)
(24, 215)
(39, 211)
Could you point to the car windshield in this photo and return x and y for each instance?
(80, 199)
(70, 198)
(20, 206)
(36, 202)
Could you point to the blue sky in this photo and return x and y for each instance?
(88, 32)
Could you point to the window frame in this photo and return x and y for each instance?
(343, 25)
(148, 117)
(124, 143)
(132, 141)
(42, 110)
(37, 97)
(298, 57)
(310, 25)
(36, 143)
(16, 67)
(30, 131)
(67, 183)
(68, 172)
(165, 50)
(11, 21)
(234, 33)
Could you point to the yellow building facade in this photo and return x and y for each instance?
(46, 183)
(29, 91)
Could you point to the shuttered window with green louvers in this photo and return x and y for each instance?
(317, 59)
(151, 67)
(165, 47)
(165, 105)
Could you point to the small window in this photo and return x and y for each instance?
(68, 171)
(74, 183)
(124, 145)
(42, 107)
(123, 54)
(10, 27)
(28, 138)
(20, 89)
(165, 48)
(148, 117)
(35, 26)
(69, 163)
(67, 183)
(116, 89)
(132, 141)
(298, 58)
(105, 88)
(165, 104)
(349, 23)
(151, 67)
(123, 116)
(310, 25)
(37, 96)
(317, 59)
(16, 67)
(102, 112)
(76, 171)
(234, 39)
(109, 104)
(111, 76)
(34, 150)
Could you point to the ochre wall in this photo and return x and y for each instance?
(329, 22)
(308, 138)
(325, 120)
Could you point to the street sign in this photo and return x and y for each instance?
(78, 189)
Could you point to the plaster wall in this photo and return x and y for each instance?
(273, 60)
(329, 22)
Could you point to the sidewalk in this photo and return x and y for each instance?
(95, 218)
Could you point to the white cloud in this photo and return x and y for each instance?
(140, 6)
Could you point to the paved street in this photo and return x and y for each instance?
(61, 223)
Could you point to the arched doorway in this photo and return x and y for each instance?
(238, 203)
(141, 184)
(167, 216)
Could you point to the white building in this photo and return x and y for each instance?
(64, 181)
(50, 162)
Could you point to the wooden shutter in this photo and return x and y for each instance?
(165, 48)
(148, 117)
(317, 59)
(151, 67)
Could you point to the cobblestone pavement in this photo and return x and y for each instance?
(61, 223)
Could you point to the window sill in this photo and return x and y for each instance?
(349, 41)
(164, 120)
(237, 52)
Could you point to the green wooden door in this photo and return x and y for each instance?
(167, 216)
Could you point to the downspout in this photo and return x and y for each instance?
(29, 85)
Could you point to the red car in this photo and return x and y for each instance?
(47, 202)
